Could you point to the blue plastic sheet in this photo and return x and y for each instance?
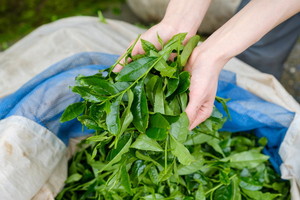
(44, 98)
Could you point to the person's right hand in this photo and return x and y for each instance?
(165, 32)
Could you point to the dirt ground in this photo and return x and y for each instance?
(290, 78)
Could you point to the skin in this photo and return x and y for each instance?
(244, 29)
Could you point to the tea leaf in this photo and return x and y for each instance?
(249, 159)
(136, 69)
(181, 152)
(124, 149)
(139, 108)
(158, 127)
(143, 142)
(88, 94)
(113, 117)
(147, 46)
(72, 111)
(188, 49)
(179, 129)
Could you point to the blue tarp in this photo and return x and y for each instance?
(44, 98)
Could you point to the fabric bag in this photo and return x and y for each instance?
(35, 146)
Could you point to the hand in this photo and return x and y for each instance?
(205, 72)
(164, 30)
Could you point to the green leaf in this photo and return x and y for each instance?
(136, 69)
(118, 154)
(153, 174)
(164, 69)
(191, 168)
(159, 98)
(113, 117)
(137, 169)
(88, 94)
(73, 178)
(184, 82)
(188, 49)
(249, 183)
(258, 195)
(223, 193)
(72, 111)
(97, 112)
(98, 84)
(139, 108)
(154, 196)
(181, 152)
(249, 159)
(199, 194)
(158, 127)
(147, 46)
(101, 17)
(180, 128)
(143, 142)
(121, 86)
(141, 156)
(150, 87)
(167, 173)
(199, 138)
(89, 122)
(183, 101)
(236, 193)
(173, 108)
(174, 44)
(127, 116)
(224, 102)
(263, 141)
(215, 144)
(125, 180)
(98, 138)
(160, 41)
(172, 86)
(224, 178)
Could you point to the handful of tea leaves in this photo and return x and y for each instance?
(142, 147)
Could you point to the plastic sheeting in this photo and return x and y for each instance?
(36, 107)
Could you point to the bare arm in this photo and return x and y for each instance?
(248, 26)
(241, 31)
(186, 16)
(181, 16)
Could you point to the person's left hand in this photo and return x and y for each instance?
(205, 72)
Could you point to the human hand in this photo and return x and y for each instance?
(204, 70)
(165, 32)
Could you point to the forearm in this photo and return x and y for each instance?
(186, 16)
(247, 27)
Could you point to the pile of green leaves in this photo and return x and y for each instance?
(142, 147)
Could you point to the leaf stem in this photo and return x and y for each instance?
(129, 50)
(218, 186)
(166, 153)
(137, 80)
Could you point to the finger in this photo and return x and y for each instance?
(193, 107)
(201, 115)
(119, 66)
(136, 49)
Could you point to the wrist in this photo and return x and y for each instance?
(213, 61)
(180, 25)
(186, 16)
